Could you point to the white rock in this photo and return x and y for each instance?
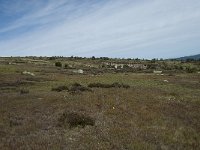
(80, 71)
(28, 73)
(157, 72)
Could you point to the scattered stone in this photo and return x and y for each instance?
(79, 71)
(28, 73)
(11, 63)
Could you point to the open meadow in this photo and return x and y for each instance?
(83, 104)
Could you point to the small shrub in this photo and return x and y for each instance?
(58, 64)
(67, 66)
(24, 91)
(60, 88)
(73, 119)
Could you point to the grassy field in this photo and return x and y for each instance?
(155, 112)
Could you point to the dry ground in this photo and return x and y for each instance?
(151, 114)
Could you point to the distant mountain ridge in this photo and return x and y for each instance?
(195, 57)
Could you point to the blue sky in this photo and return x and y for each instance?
(112, 28)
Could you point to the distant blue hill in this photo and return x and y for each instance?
(195, 57)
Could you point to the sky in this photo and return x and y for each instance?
(100, 28)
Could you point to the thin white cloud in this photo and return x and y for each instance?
(114, 28)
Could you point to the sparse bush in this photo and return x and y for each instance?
(73, 119)
(58, 64)
(60, 88)
(24, 91)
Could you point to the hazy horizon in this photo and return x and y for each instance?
(106, 28)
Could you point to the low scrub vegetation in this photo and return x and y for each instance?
(76, 87)
(114, 85)
(73, 88)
